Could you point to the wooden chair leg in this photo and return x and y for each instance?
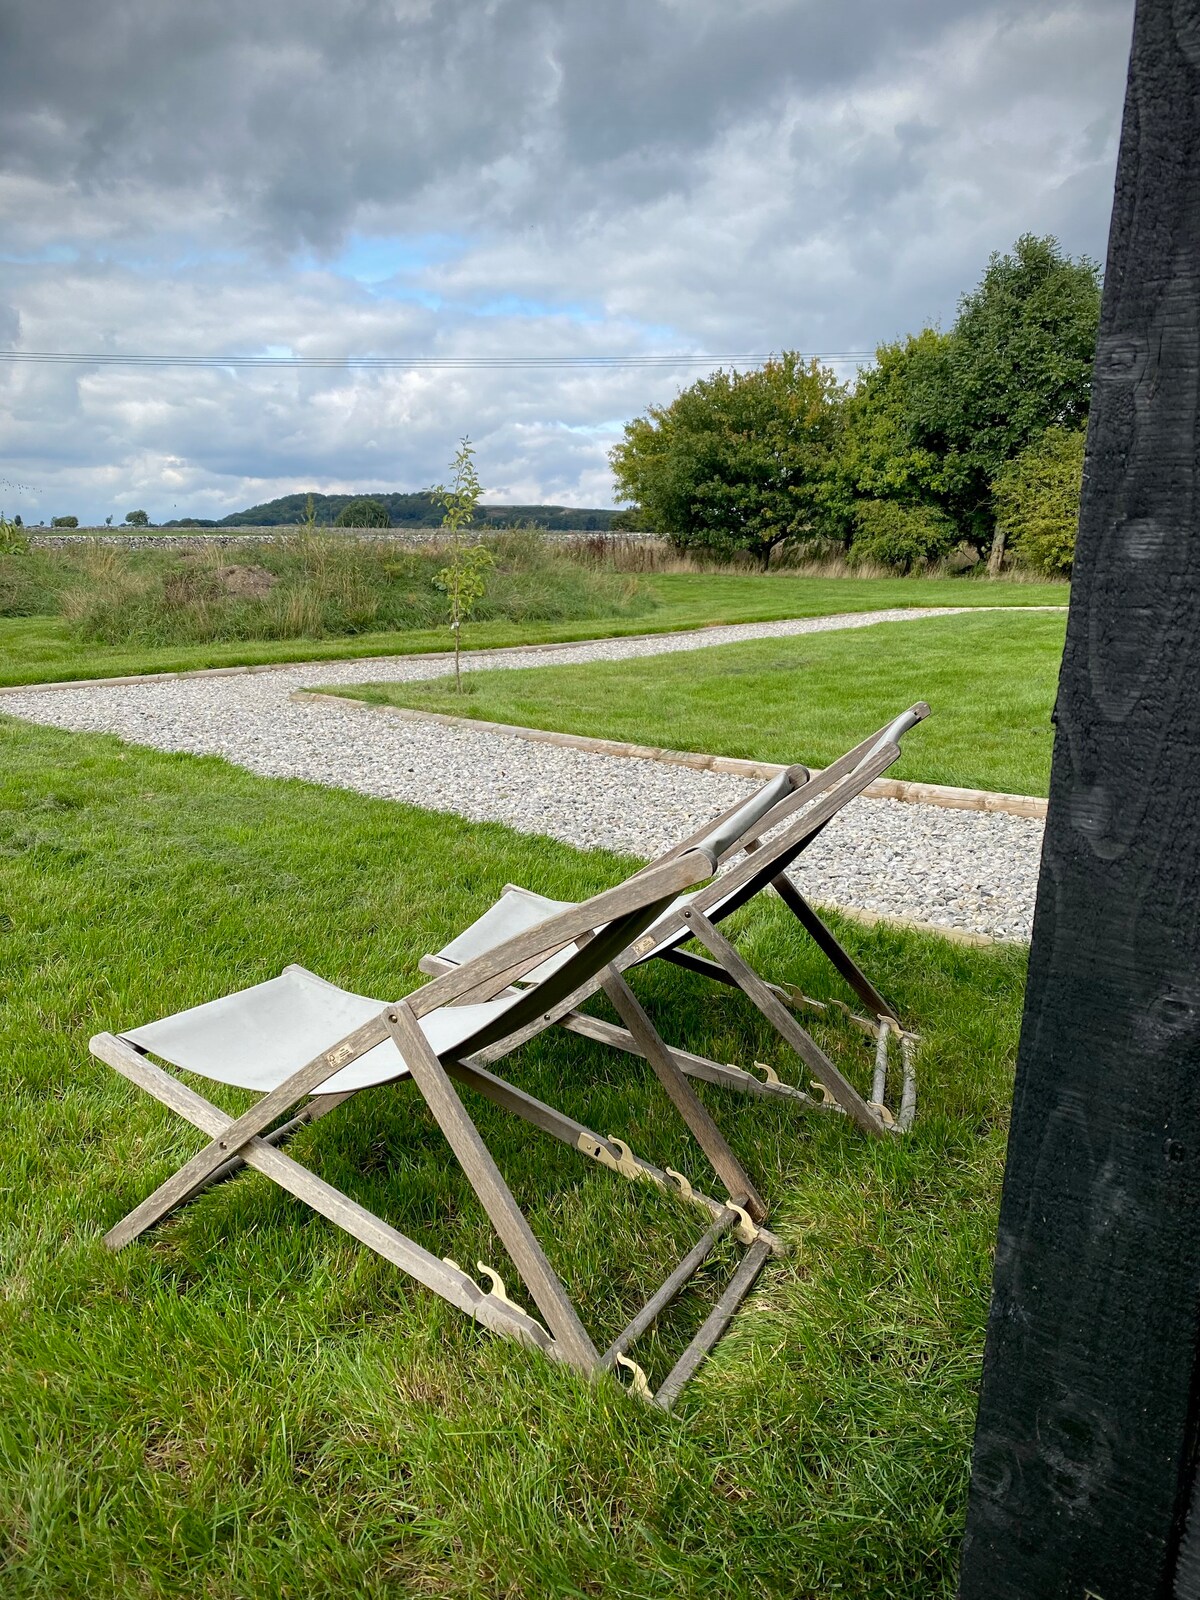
(476, 1161)
(714, 1325)
(195, 1174)
(490, 1307)
(707, 1135)
(454, 1285)
(781, 1019)
(828, 943)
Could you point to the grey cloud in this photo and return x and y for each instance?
(691, 173)
(295, 115)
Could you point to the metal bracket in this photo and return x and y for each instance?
(623, 1162)
(685, 1187)
(496, 1288)
(745, 1232)
(638, 1382)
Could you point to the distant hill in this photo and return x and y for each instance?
(406, 511)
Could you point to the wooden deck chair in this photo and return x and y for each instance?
(301, 1042)
(761, 839)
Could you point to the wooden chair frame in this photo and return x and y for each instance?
(807, 807)
(599, 929)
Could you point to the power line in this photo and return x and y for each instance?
(402, 363)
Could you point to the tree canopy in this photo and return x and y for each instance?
(891, 446)
(909, 464)
(363, 513)
(740, 461)
(940, 415)
(1020, 362)
(1037, 499)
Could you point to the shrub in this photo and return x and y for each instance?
(363, 513)
(1036, 499)
(64, 522)
(902, 537)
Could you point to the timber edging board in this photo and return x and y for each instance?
(930, 794)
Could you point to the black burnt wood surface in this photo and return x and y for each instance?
(1087, 1432)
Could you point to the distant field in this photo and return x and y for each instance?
(41, 648)
(990, 680)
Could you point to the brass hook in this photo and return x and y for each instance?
(637, 1378)
(685, 1187)
(745, 1232)
(496, 1288)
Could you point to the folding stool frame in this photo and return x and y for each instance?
(599, 929)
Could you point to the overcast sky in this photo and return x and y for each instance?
(494, 178)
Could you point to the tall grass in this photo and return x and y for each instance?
(31, 583)
(615, 552)
(321, 585)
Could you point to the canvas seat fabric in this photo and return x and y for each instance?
(258, 1037)
(518, 909)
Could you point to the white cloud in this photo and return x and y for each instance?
(511, 178)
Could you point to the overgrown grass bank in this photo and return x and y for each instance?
(990, 680)
(36, 646)
(249, 1404)
(306, 587)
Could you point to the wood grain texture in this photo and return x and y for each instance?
(683, 1097)
(785, 1025)
(485, 1178)
(491, 972)
(1087, 1430)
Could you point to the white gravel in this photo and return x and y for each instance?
(970, 870)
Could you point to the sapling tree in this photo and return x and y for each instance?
(464, 578)
(13, 541)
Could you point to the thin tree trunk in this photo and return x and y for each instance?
(996, 558)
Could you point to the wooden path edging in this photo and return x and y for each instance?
(929, 794)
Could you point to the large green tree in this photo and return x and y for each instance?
(1020, 362)
(740, 461)
(892, 448)
(937, 418)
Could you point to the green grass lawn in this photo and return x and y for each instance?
(42, 649)
(990, 680)
(251, 1405)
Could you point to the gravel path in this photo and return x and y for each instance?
(970, 870)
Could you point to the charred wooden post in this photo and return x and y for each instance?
(1085, 1454)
